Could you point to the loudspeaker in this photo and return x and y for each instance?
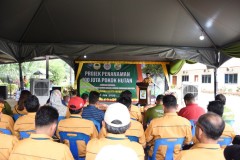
(3, 92)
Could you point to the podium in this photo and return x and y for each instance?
(144, 93)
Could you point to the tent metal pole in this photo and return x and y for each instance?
(47, 67)
(215, 82)
(21, 76)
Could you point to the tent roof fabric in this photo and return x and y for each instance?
(142, 30)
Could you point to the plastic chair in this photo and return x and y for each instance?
(193, 127)
(25, 134)
(96, 123)
(230, 122)
(133, 138)
(5, 131)
(73, 137)
(170, 143)
(61, 118)
(16, 116)
(224, 141)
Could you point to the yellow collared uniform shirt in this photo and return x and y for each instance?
(6, 122)
(25, 123)
(136, 129)
(147, 80)
(135, 113)
(40, 147)
(95, 145)
(7, 142)
(76, 124)
(169, 126)
(228, 131)
(16, 111)
(202, 151)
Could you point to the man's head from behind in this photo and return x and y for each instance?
(32, 104)
(46, 120)
(221, 97)
(216, 107)
(169, 103)
(209, 128)
(159, 99)
(93, 97)
(126, 93)
(117, 118)
(125, 101)
(148, 74)
(75, 105)
(232, 152)
(189, 98)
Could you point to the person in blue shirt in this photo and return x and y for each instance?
(91, 111)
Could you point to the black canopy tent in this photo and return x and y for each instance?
(159, 30)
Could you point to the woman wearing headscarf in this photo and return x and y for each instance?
(56, 102)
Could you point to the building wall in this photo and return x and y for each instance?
(192, 70)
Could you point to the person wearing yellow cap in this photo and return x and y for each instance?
(75, 123)
(40, 145)
(116, 121)
(6, 121)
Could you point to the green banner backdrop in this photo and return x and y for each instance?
(108, 79)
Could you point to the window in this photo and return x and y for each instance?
(196, 78)
(185, 78)
(206, 78)
(231, 78)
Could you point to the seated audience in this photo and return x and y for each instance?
(56, 102)
(154, 112)
(135, 129)
(65, 100)
(19, 108)
(91, 111)
(218, 107)
(84, 96)
(27, 122)
(75, 123)
(40, 145)
(227, 114)
(232, 152)
(208, 130)
(169, 126)
(116, 122)
(6, 122)
(7, 142)
(135, 112)
(192, 111)
(7, 108)
(115, 152)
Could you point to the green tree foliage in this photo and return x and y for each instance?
(57, 67)
(154, 69)
(58, 70)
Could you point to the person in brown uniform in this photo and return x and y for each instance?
(27, 122)
(75, 123)
(116, 122)
(40, 145)
(209, 128)
(6, 122)
(169, 126)
(135, 129)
